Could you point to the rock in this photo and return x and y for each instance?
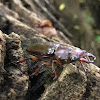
(72, 86)
(2, 55)
(15, 77)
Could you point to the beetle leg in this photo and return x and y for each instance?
(57, 62)
(56, 76)
(38, 69)
(23, 60)
(33, 58)
(83, 66)
(84, 69)
(45, 63)
(86, 61)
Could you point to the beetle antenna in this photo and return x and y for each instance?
(94, 46)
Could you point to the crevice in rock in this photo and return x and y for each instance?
(26, 5)
(90, 84)
(36, 88)
(6, 28)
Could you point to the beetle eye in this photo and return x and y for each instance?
(74, 57)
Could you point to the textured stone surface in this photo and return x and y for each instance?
(15, 80)
(2, 55)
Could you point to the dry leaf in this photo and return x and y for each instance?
(46, 28)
